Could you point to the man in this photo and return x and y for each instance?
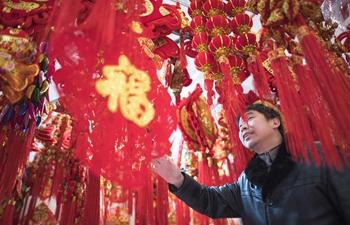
(273, 189)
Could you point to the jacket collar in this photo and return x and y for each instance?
(267, 179)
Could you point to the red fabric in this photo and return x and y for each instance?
(166, 47)
(162, 26)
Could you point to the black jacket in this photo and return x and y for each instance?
(289, 193)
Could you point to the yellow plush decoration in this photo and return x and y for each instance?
(15, 76)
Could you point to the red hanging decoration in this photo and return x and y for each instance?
(323, 77)
(297, 135)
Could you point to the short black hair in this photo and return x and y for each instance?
(268, 112)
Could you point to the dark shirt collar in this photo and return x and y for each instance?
(269, 156)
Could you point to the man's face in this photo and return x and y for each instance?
(255, 130)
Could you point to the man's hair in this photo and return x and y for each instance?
(268, 112)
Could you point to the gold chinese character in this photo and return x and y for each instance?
(127, 87)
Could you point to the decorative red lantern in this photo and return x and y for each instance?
(195, 9)
(237, 64)
(215, 73)
(217, 25)
(241, 23)
(204, 61)
(213, 8)
(198, 24)
(246, 43)
(200, 42)
(221, 45)
(234, 7)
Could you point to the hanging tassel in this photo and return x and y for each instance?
(326, 79)
(213, 171)
(232, 91)
(145, 199)
(208, 85)
(64, 217)
(255, 66)
(297, 133)
(58, 177)
(215, 181)
(162, 202)
(182, 212)
(92, 201)
(60, 21)
(317, 110)
(102, 22)
(229, 176)
(8, 214)
(226, 147)
(203, 178)
(241, 154)
(17, 152)
(72, 211)
(31, 209)
(334, 93)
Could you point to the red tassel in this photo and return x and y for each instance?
(208, 84)
(144, 201)
(72, 211)
(182, 212)
(162, 202)
(65, 214)
(17, 150)
(260, 80)
(334, 92)
(31, 209)
(297, 134)
(229, 176)
(203, 178)
(101, 23)
(241, 154)
(92, 200)
(61, 20)
(8, 214)
(318, 111)
(57, 179)
(213, 172)
(232, 93)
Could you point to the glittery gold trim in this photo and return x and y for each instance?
(302, 32)
(25, 6)
(149, 8)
